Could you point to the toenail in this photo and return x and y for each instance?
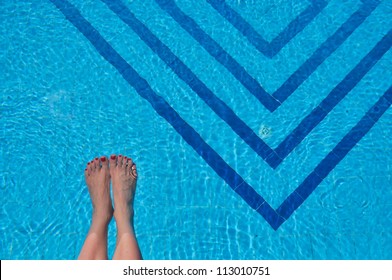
(88, 163)
(113, 157)
(103, 159)
(96, 158)
(119, 155)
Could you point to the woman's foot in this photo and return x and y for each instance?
(124, 175)
(98, 182)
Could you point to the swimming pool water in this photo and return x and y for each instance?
(260, 128)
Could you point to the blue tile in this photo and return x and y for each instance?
(141, 85)
(219, 165)
(333, 98)
(353, 137)
(388, 95)
(291, 203)
(250, 195)
(107, 51)
(309, 122)
(299, 133)
(326, 165)
(286, 147)
(308, 185)
(270, 215)
(379, 108)
(92, 34)
(273, 160)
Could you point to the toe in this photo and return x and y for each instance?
(95, 163)
(128, 164)
(91, 166)
(104, 162)
(113, 161)
(120, 161)
(133, 170)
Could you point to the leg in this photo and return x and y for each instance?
(98, 183)
(124, 175)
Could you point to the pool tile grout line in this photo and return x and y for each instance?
(256, 201)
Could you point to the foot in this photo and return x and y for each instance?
(98, 182)
(124, 175)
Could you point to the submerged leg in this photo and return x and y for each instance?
(98, 182)
(123, 174)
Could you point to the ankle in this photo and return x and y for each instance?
(124, 218)
(102, 217)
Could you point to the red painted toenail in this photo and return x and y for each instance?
(119, 155)
(113, 157)
(85, 169)
(96, 158)
(103, 159)
(88, 163)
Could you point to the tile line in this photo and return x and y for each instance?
(269, 49)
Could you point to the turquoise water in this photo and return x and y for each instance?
(64, 101)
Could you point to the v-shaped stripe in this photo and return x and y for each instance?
(272, 157)
(269, 49)
(224, 58)
(274, 217)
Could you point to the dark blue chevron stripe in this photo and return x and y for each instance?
(257, 202)
(336, 155)
(269, 49)
(183, 72)
(160, 105)
(334, 97)
(297, 78)
(324, 51)
(219, 54)
(272, 157)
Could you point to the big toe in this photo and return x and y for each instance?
(113, 162)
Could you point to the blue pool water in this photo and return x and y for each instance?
(261, 129)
